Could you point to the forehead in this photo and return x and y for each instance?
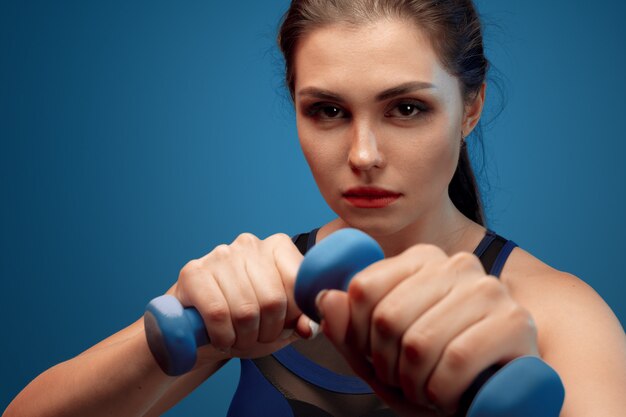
(365, 59)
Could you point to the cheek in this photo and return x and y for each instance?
(324, 170)
(322, 150)
(430, 159)
(441, 157)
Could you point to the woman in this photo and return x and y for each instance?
(385, 94)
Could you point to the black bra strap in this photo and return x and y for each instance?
(487, 251)
(490, 253)
(301, 241)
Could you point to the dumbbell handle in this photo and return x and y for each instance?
(526, 386)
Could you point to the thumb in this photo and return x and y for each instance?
(334, 308)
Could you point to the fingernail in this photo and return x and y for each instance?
(315, 329)
(286, 334)
(318, 300)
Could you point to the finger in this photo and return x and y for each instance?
(208, 299)
(496, 340)
(410, 300)
(287, 259)
(423, 342)
(395, 314)
(334, 308)
(373, 283)
(271, 296)
(307, 328)
(413, 297)
(234, 283)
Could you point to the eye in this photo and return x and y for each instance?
(325, 111)
(330, 112)
(407, 110)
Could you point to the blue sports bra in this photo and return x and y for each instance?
(289, 384)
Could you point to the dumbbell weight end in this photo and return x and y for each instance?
(174, 333)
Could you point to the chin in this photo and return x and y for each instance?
(375, 226)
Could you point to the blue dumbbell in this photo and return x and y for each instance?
(526, 386)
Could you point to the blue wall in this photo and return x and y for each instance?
(135, 136)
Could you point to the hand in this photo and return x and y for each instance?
(420, 326)
(244, 293)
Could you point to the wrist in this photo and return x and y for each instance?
(208, 355)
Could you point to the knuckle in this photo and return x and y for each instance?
(412, 251)
(221, 252)
(193, 264)
(465, 261)
(276, 304)
(217, 312)
(279, 241)
(457, 356)
(280, 238)
(229, 341)
(415, 345)
(427, 250)
(490, 287)
(224, 340)
(246, 239)
(189, 269)
(385, 324)
(246, 315)
(520, 318)
(357, 288)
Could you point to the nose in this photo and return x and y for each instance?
(364, 153)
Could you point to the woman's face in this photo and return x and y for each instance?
(375, 108)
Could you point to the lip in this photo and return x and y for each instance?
(370, 197)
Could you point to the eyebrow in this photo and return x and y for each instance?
(398, 90)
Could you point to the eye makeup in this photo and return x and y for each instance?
(406, 109)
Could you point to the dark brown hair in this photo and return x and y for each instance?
(455, 31)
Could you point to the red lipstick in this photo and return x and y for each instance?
(370, 197)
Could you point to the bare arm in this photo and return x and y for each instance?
(586, 345)
(118, 376)
(578, 335)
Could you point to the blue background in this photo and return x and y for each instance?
(136, 136)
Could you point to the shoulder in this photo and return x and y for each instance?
(577, 334)
(531, 280)
(559, 301)
(528, 278)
